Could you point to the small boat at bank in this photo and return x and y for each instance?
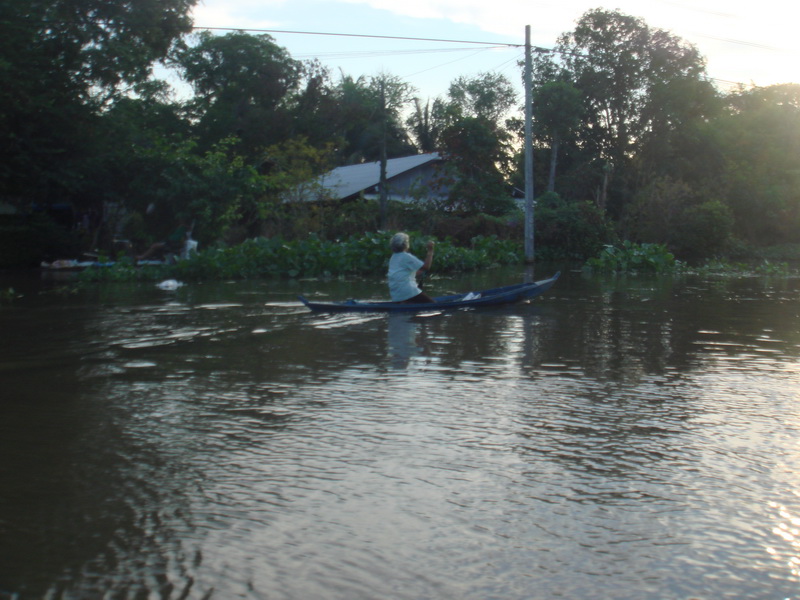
(478, 299)
(82, 265)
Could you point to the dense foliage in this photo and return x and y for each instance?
(632, 141)
(62, 63)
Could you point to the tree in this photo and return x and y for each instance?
(671, 212)
(114, 173)
(674, 143)
(558, 110)
(475, 149)
(425, 124)
(314, 106)
(570, 229)
(218, 189)
(242, 85)
(476, 142)
(757, 142)
(370, 117)
(61, 61)
(559, 116)
(488, 96)
(622, 68)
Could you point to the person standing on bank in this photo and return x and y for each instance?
(403, 270)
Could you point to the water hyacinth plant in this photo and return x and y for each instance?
(632, 257)
(363, 255)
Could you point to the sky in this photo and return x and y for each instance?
(752, 43)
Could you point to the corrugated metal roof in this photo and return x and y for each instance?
(343, 182)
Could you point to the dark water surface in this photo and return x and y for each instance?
(614, 439)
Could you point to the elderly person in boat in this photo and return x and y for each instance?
(403, 270)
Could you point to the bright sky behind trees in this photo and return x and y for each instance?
(743, 42)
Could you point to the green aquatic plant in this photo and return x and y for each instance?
(763, 267)
(632, 257)
(363, 255)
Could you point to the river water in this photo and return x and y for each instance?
(614, 439)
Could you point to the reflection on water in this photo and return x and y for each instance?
(612, 439)
(407, 337)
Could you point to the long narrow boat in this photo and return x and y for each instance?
(492, 297)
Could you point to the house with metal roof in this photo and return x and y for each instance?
(404, 176)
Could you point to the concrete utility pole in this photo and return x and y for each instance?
(529, 247)
(384, 192)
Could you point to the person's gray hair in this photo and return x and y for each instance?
(399, 242)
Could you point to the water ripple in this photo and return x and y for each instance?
(219, 444)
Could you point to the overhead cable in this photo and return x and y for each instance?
(373, 36)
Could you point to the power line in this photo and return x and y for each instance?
(376, 53)
(742, 43)
(447, 63)
(362, 35)
(485, 45)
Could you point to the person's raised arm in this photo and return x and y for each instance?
(428, 258)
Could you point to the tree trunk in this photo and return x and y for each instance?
(551, 180)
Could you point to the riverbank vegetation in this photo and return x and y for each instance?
(632, 141)
(310, 257)
(629, 257)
